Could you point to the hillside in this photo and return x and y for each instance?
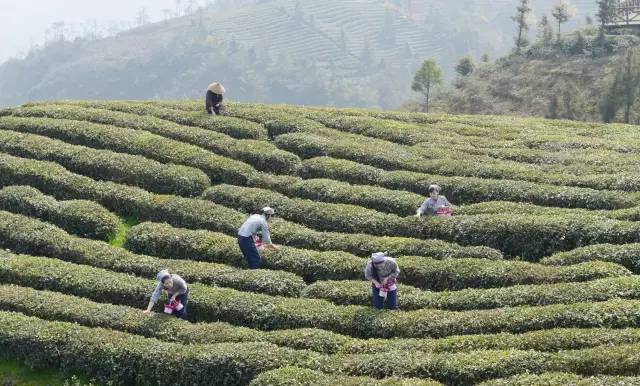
(526, 84)
(534, 280)
(343, 53)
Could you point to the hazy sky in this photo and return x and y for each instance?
(24, 21)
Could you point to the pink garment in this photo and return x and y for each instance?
(390, 286)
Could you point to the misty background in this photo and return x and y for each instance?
(27, 23)
(360, 53)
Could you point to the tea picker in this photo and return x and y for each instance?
(177, 290)
(256, 224)
(436, 204)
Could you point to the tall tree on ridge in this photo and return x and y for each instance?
(426, 78)
(520, 18)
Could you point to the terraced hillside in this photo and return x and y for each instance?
(534, 280)
(331, 52)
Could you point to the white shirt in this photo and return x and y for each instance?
(254, 224)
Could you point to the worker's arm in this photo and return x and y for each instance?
(422, 209)
(368, 274)
(154, 298)
(266, 237)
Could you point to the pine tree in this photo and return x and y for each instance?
(520, 18)
(605, 10)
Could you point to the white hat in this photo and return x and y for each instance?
(268, 210)
(162, 274)
(217, 88)
(378, 257)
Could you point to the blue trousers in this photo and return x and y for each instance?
(250, 252)
(378, 301)
(184, 299)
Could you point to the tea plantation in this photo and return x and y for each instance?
(533, 280)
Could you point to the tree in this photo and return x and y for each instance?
(579, 45)
(58, 29)
(562, 13)
(520, 18)
(426, 78)
(605, 10)
(465, 66)
(624, 87)
(630, 81)
(142, 18)
(545, 31)
(552, 113)
(610, 101)
(485, 58)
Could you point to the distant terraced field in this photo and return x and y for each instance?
(532, 281)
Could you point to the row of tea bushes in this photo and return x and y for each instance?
(31, 236)
(136, 142)
(125, 200)
(467, 189)
(107, 165)
(127, 359)
(123, 358)
(516, 235)
(268, 312)
(80, 217)
(292, 375)
(451, 274)
(627, 255)
(558, 378)
(381, 154)
(233, 127)
(321, 189)
(260, 154)
(350, 293)
(57, 306)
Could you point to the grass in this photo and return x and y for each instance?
(16, 373)
(120, 237)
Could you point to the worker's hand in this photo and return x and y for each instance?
(146, 312)
(384, 281)
(273, 246)
(173, 299)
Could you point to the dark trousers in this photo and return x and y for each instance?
(378, 301)
(184, 299)
(250, 252)
(214, 109)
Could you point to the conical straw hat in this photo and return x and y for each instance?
(216, 88)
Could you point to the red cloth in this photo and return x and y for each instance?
(444, 211)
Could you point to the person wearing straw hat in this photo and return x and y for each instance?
(215, 91)
(436, 204)
(256, 224)
(178, 292)
(382, 271)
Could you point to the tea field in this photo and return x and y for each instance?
(534, 280)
